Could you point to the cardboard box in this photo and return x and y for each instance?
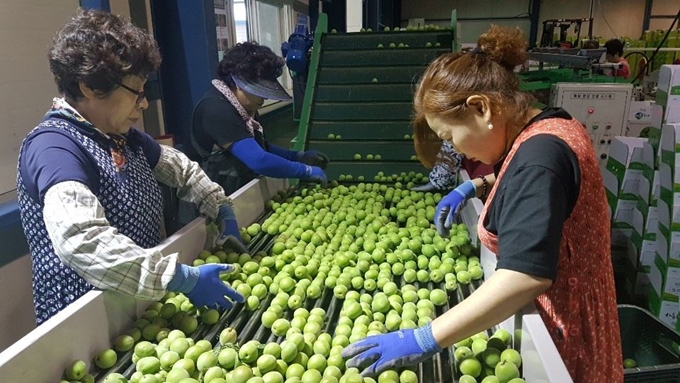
(663, 293)
(656, 189)
(642, 117)
(634, 251)
(629, 180)
(668, 93)
(644, 244)
(622, 181)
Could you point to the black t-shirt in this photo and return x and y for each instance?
(215, 123)
(535, 197)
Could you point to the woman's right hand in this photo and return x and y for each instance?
(449, 205)
(208, 289)
(316, 174)
(379, 353)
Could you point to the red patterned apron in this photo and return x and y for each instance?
(579, 309)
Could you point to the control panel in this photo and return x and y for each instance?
(601, 108)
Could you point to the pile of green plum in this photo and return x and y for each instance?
(369, 249)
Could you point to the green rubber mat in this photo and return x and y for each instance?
(344, 75)
(380, 57)
(369, 40)
(364, 150)
(365, 92)
(358, 130)
(383, 111)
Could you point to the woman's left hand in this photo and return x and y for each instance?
(313, 158)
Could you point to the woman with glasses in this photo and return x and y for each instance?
(87, 180)
(226, 132)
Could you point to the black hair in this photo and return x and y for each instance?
(614, 47)
(249, 61)
(99, 49)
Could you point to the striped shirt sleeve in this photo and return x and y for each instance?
(84, 240)
(176, 170)
(445, 171)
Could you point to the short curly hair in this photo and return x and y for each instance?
(99, 49)
(614, 47)
(249, 61)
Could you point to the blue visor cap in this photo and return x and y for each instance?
(265, 88)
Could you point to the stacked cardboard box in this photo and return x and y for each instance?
(629, 180)
(668, 93)
(665, 272)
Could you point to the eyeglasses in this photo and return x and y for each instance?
(140, 95)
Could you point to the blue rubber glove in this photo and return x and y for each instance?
(229, 234)
(316, 174)
(449, 205)
(203, 286)
(313, 158)
(379, 353)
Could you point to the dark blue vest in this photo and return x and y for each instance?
(132, 204)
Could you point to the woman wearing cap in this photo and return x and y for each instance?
(546, 217)
(87, 180)
(225, 129)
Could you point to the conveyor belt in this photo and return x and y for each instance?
(247, 323)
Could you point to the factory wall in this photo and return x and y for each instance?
(663, 7)
(480, 9)
(624, 17)
(26, 30)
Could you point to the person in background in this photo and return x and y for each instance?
(225, 129)
(615, 55)
(87, 180)
(546, 217)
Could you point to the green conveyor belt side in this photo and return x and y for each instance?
(359, 98)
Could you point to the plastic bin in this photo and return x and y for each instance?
(650, 343)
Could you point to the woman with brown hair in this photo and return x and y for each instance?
(545, 218)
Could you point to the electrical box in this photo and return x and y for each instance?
(601, 108)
